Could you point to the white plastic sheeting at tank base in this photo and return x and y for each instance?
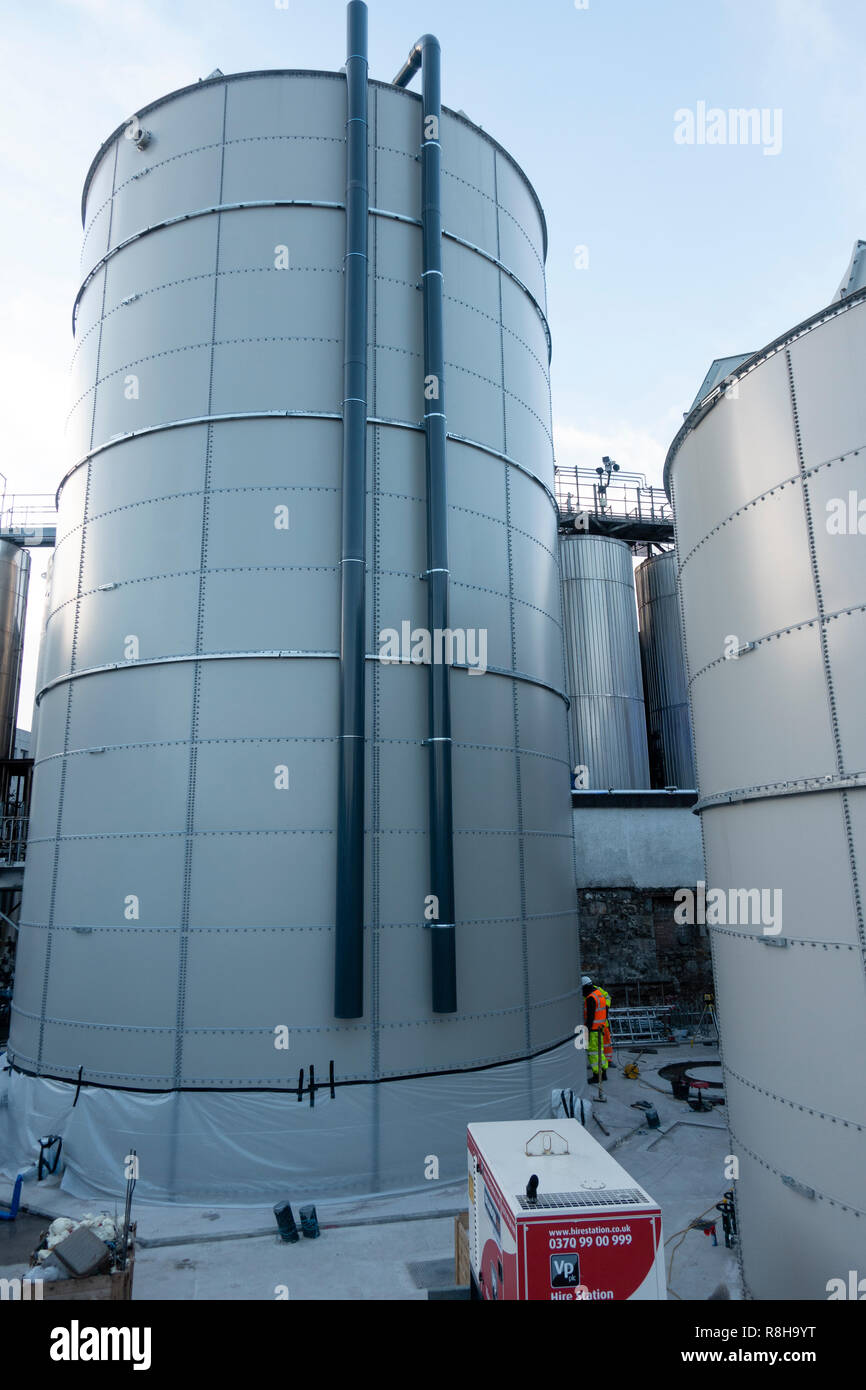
(253, 1148)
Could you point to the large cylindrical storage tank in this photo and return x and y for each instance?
(765, 479)
(14, 579)
(608, 726)
(180, 892)
(669, 731)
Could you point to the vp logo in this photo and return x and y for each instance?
(564, 1271)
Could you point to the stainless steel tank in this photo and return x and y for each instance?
(608, 725)
(768, 481)
(179, 897)
(14, 580)
(669, 732)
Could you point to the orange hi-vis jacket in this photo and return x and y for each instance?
(600, 1018)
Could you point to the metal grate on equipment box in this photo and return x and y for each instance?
(599, 1197)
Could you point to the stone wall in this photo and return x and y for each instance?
(629, 935)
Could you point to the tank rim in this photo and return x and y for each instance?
(703, 408)
(302, 72)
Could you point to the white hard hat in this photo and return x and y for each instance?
(586, 980)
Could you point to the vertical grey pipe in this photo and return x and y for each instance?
(349, 961)
(427, 55)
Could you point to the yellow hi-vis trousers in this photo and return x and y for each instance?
(594, 1047)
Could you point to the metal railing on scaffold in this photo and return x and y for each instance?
(626, 496)
(13, 839)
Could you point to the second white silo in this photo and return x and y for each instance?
(768, 481)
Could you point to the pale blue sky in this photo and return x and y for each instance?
(694, 252)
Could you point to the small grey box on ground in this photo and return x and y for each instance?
(82, 1253)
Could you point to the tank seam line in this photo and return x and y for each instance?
(307, 569)
(821, 1196)
(290, 927)
(267, 1029)
(276, 656)
(216, 833)
(795, 1105)
(192, 767)
(821, 620)
(418, 742)
(234, 417)
(763, 940)
(771, 492)
(61, 794)
(376, 674)
(322, 139)
(300, 269)
(521, 855)
(257, 204)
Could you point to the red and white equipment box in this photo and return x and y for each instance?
(591, 1233)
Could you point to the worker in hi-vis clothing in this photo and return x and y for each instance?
(595, 1003)
(608, 1041)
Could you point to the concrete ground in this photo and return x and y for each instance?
(397, 1248)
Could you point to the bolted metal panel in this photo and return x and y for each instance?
(14, 579)
(190, 664)
(603, 661)
(669, 728)
(767, 486)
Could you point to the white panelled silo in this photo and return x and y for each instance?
(768, 479)
(605, 688)
(179, 902)
(669, 733)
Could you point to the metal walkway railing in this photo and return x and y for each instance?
(625, 497)
(27, 518)
(13, 839)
